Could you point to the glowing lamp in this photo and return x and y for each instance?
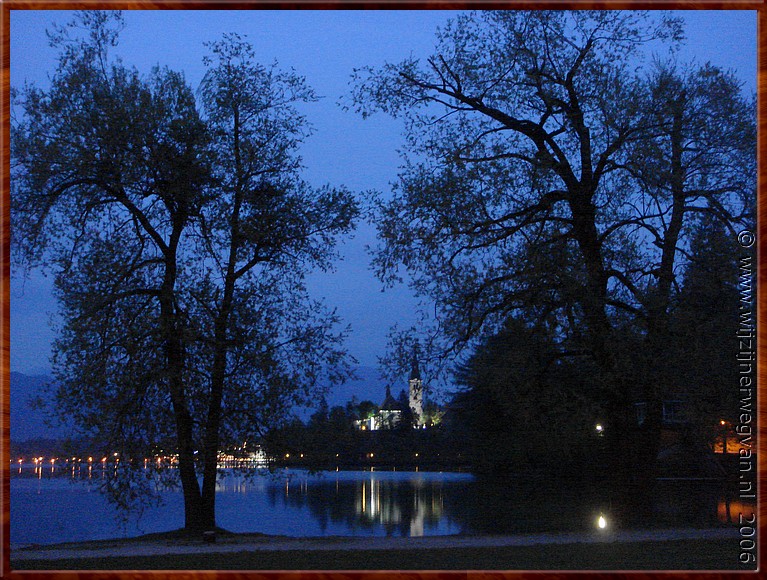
(601, 522)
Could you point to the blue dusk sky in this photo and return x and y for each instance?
(324, 46)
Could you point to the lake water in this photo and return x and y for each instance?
(48, 507)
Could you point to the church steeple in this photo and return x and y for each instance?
(415, 373)
(416, 390)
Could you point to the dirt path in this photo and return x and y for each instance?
(255, 543)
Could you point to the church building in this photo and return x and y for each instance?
(390, 412)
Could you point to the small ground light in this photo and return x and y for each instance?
(600, 429)
(601, 522)
(722, 422)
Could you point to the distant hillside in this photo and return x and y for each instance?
(28, 423)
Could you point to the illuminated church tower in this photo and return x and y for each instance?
(416, 393)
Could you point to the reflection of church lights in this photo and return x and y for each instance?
(373, 499)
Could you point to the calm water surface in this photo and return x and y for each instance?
(48, 507)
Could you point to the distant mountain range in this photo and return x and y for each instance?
(29, 423)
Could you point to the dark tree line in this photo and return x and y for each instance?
(523, 408)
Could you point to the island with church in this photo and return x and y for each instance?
(403, 432)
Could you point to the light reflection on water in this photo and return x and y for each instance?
(49, 508)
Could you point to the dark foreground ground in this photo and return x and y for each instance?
(719, 553)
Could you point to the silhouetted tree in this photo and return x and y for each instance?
(180, 241)
(524, 408)
(546, 176)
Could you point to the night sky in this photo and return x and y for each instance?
(324, 46)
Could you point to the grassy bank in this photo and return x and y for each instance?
(663, 555)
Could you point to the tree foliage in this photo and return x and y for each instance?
(526, 409)
(701, 360)
(179, 237)
(526, 132)
(549, 176)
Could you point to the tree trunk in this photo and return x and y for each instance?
(218, 371)
(213, 423)
(624, 444)
(174, 355)
(658, 332)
